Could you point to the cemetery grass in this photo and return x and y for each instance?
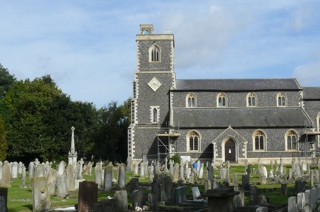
(20, 199)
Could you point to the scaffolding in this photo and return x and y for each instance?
(166, 143)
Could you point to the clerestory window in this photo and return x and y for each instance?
(251, 100)
(191, 100)
(281, 99)
(222, 100)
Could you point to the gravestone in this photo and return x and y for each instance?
(121, 200)
(254, 195)
(79, 174)
(40, 171)
(210, 173)
(136, 168)
(133, 185)
(108, 178)
(23, 177)
(220, 200)
(62, 189)
(98, 175)
(88, 196)
(30, 170)
(195, 193)
(292, 205)
(5, 181)
(166, 189)
(122, 176)
(61, 168)
(70, 178)
(14, 170)
(3, 199)
(246, 182)
(138, 198)
(51, 180)
(41, 196)
(180, 194)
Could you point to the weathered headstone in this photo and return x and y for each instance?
(88, 196)
(98, 175)
(108, 178)
(121, 200)
(51, 180)
(5, 181)
(138, 198)
(40, 171)
(79, 173)
(166, 189)
(41, 196)
(70, 178)
(122, 176)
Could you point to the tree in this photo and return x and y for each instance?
(111, 138)
(3, 142)
(26, 132)
(6, 81)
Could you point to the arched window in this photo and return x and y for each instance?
(251, 100)
(191, 100)
(222, 100)
(154, 114)
(259, 140)
(291, 140)
(154, 52)
(193, 141)
(281, 99)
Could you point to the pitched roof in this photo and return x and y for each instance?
(239, 117)
(237, 84)
(311, 93)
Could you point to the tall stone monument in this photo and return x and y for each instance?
(72, 158)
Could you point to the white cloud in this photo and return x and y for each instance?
(308, 74)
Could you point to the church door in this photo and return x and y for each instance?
(230, 151)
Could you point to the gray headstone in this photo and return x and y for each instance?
(108, 178)
(121, 200)
(122, 176)
(41, 197)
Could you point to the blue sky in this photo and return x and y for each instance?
(89, 49)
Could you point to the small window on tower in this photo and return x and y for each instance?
(154, 54)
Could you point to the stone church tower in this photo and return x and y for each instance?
(153, 79)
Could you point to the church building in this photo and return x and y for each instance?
(236, 120)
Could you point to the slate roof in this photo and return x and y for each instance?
(311, 93)
(238, 84)
(239, 117)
